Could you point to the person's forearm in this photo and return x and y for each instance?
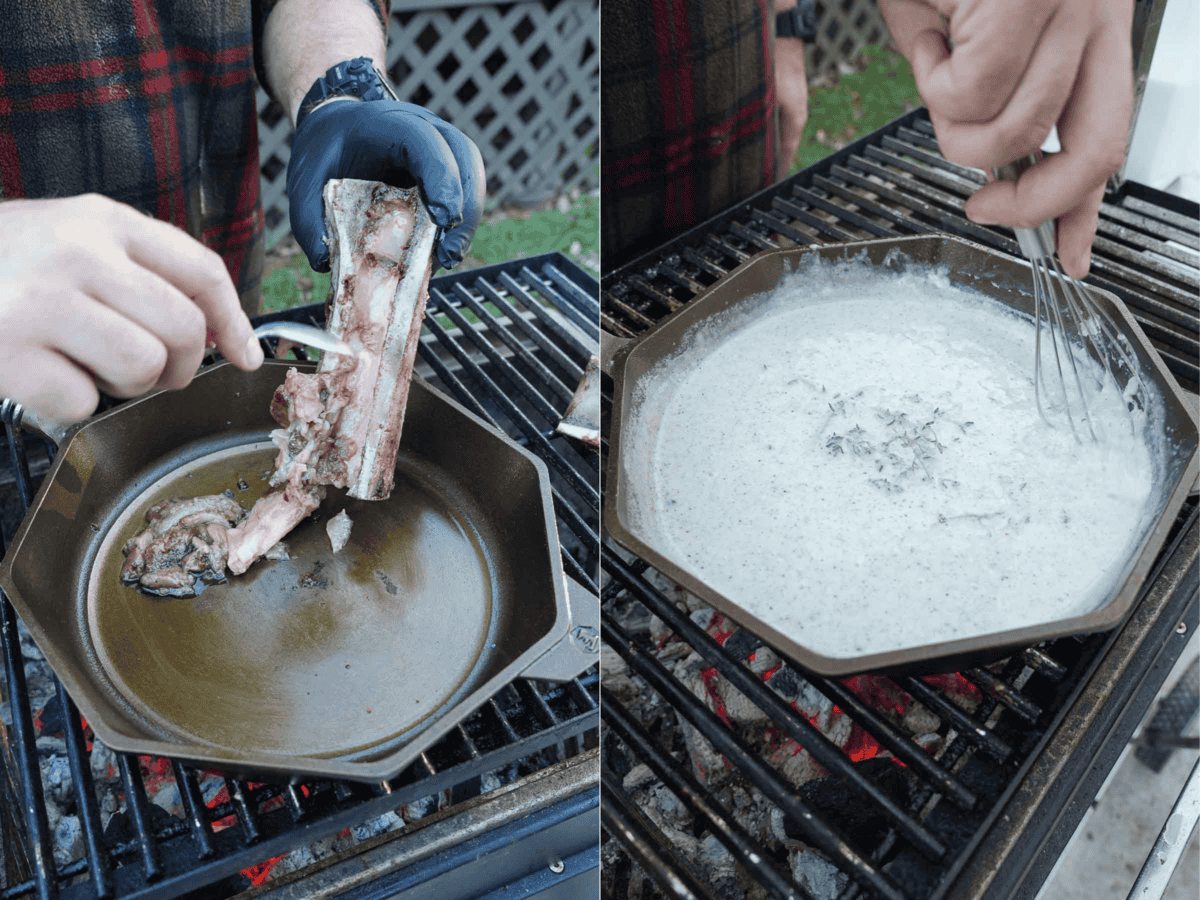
(303, 38)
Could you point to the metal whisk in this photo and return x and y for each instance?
(1071, 317)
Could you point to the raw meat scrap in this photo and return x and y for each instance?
(338, 529)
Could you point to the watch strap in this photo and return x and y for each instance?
(351, 78)
(798, 22)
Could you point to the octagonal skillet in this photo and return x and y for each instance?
(345, 665)
(970, 266)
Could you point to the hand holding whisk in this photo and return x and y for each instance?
(1069, 315)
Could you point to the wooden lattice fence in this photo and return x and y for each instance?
(522, 80)
(844, 28)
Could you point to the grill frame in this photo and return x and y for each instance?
(1105, 683)
(526, 727)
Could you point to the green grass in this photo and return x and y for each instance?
(291, 282)
(542, 231)
(859, 103)
(294, 284)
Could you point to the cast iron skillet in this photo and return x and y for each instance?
(344, 665)
(970, 265)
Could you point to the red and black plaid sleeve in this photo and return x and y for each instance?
(687, 118)
(150, 102)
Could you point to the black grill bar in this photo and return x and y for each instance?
(815, 829)
(693, 794)
(963, 723)
(135, 794)
(569, 298)
(197, 812)
(28, 771)
(516, 381)
(532, 361)
(89, 813)
(799, 728)
(532, 304)
(622, 819)
(1019, 704)
(1149, 223)
(1185, 223)
(243, 811)
(535, 436)
(1040, 662)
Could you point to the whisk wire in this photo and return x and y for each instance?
(1063, 331)
(1113, 349)
(1075, 319)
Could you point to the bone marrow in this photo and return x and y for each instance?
(339, 426)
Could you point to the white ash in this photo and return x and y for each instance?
(103, 762)
(310, 854)
(56, 776)
(50, 745)
(338, 529)
(764, 661)
(29, 649)
(718, 862)
(818, 875)
(388, 821)
(419, 809)
(918, 720)
(637, 777)
(796, 767)
(812, 702)
(39, 682)
(210, 786)
(167, 797)
(616, 677)
(68, 841)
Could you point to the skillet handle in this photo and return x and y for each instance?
(14, 414)
(579, 648)
(611, 346)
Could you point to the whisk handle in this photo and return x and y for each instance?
(1039, 242)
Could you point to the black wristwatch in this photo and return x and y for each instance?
(798, 22)
(352, 78)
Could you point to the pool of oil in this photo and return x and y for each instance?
(321, 654)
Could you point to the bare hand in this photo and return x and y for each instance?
(95, 294)
(791, 91)
(1019, 67)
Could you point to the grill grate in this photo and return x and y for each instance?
(496, 341)
(894, 182)
(987, 813)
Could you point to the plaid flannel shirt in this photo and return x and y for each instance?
(150, 102)
(687, 115)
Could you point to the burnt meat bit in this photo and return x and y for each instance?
(184, 539)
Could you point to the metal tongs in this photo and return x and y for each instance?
(309, 335)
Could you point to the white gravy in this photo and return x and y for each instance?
(861, 466)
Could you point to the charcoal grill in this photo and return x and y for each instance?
(986, 815)
(509, 342)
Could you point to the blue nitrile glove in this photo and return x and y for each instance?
(390, 141)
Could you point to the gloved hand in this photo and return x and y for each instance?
(394, 142)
